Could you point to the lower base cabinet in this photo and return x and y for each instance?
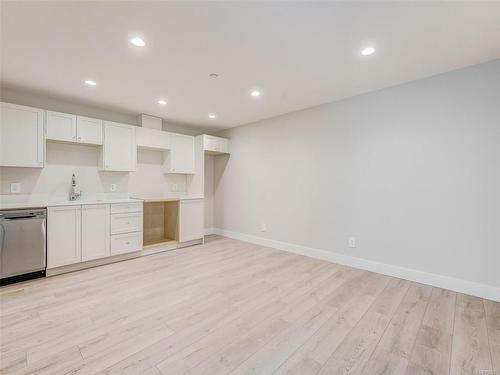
(191, 220)
(64, 236)
(126, 243)
(95, 231)
(82, 233)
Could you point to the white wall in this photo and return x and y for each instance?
(62, 160)
(209, 191)
(413, 172)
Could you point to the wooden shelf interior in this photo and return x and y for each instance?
(160, 222)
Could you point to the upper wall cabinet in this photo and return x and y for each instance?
(22, 141)
(215, 145)
(65, 127)
(119, 151)
(88, 130)
(152, 138)
(180, 159)
(61, 127)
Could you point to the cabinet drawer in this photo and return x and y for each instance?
(124, 223)
(126, 243)
(119, 208)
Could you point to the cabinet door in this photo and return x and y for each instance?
(22, 141)
(89, 130)
(95, 231)
(181, 155)
(61, 126)
(64, 235)
(119, 151)
(191, 225)
(215, 145)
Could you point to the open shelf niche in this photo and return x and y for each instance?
(161, 223)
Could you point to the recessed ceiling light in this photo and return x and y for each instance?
(213, 75)
(255, 93)
(212, 116)
(162, 102)
(137, 42)
(90, 82)
(367, 51)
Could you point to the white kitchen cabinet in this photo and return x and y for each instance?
(152, 139)
(191, 216)
(180, 159)
(64, 127)
(125, 223)
(63, 235)
(95, 231)
(126, 243)
(126, 227)
(88, 130)
(123, 208)
(215, 145)
(22, 139)
(60, 126)
(119, 151)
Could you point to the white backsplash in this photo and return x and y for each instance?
(62, 160)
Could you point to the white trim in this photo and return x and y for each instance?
(209, 231)
(446, 282)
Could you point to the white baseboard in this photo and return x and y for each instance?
(445, 282)
(209, 231)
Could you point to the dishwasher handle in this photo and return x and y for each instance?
(22, 215)
(17, 218)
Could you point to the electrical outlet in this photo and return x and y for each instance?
(112, 187)
(263, 227)
(175, 187)
(352, 241)
(15, 187)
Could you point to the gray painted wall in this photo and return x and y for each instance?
(413, 172)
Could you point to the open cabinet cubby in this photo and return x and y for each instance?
(161, 223)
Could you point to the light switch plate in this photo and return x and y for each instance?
(15, 187)
(352, 241)
(112, 187)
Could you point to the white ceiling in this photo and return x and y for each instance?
(299, 54)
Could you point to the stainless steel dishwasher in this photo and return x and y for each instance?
(22, 244)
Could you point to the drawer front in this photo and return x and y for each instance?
(126, 243)
(124, 223)
(119, 208)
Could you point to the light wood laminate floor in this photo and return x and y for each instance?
(229, 307)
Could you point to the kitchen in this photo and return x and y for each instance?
(82, 226)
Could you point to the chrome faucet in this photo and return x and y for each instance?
(74, 194)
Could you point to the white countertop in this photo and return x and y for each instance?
(160, 198)
(9, 202)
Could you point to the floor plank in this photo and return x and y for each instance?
(232, 307)
(470, 347)
(393, 351)
(493, 325)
